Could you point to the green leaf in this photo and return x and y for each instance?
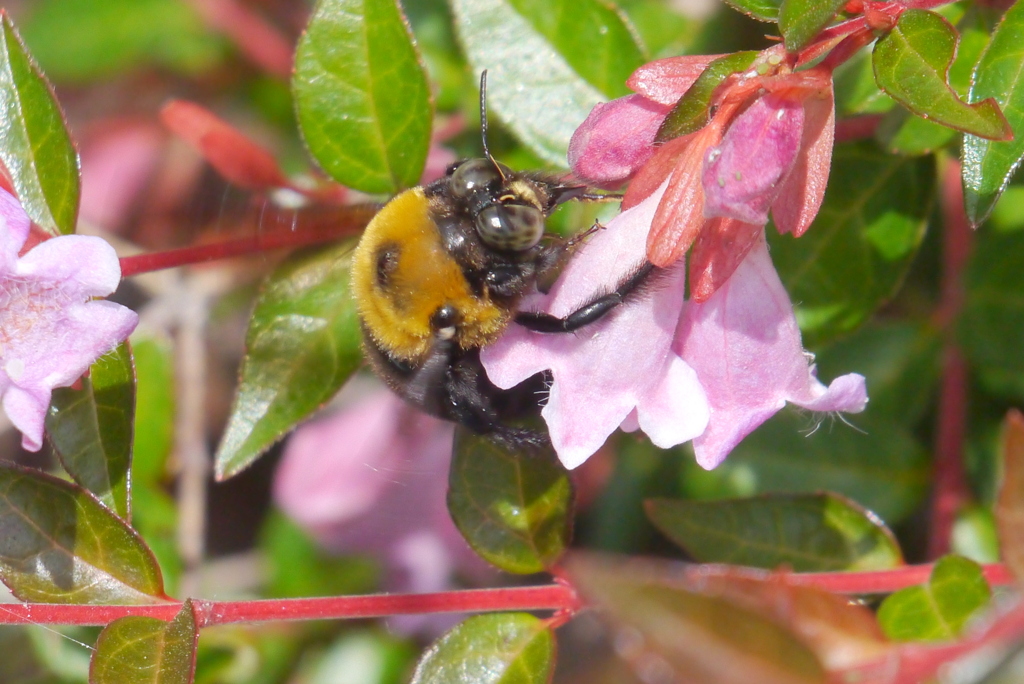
(805, 532)
(60, 545)
(706, 635)
(593, 37)
(35, 145)
(154, 410)
(362, 96)
(691, 112)
(936, 611)
(855, 255)
(502, 648)
(87, 40)
(762, 10)
(878, 464)
(531, 86)
(911, 64)
(514, 509)
(302, 345)
(801, 20)
(991, 325)
(988, 165)
(91, 429)
(145, 650)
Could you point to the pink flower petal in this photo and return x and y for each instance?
(743, 175)
(14, 227)
(745, 347)
(27, 412)
(803, 190)
(86, 265)
(616, 139)
(604, 372)
(666, 80)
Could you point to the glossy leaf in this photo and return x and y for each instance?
(988, 165)
(876, 463)
(86, 40)
(34, 142)
(709, 637)
(501, 648)
(842, 633)
(805, 532)
(955, 592)
(1009, 509)
(61, 545)
(762, 10)
(691, 112)
(302, 345)
(91, 428)
(857, 251)
(593, 37)
(801, 20)
(361, 95)
(514, 509)
(145, 650)
(531, 86)
(911, 64)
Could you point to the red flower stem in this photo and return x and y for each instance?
(333, 225)
(950, 489)
(559, 597)
(555, 597)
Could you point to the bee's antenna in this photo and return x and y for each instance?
(483, 122)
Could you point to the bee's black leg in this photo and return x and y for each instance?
(589, 312)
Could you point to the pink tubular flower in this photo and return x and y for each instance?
(678, 370)
(372, 479)
(766, 147)
(50, 330)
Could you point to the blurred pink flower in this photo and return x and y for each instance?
(51, 330)
(372, 479)
(678, 370)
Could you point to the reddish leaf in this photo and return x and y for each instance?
(666, 80)
(236, 157)
(1010, 502)
(717, 253)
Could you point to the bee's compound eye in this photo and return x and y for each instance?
(472, 175)
(512, 227)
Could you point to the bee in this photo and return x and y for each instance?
(439, 273)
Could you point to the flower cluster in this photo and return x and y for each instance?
(712, 368)
(51, 329)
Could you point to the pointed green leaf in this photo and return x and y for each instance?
(804, 532)
(58, 544)
(531, 86)
(801, 20)
(988, 165)
(699, 632)
(762, 10)
(302, 345)
(912, 63)
(34, 142)
(691, 112)
(514, 509)
(91, 429)
(936, 611)
(855, 255)
(145, 650)
(503, 648)
(362, 96)
(593, 37)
